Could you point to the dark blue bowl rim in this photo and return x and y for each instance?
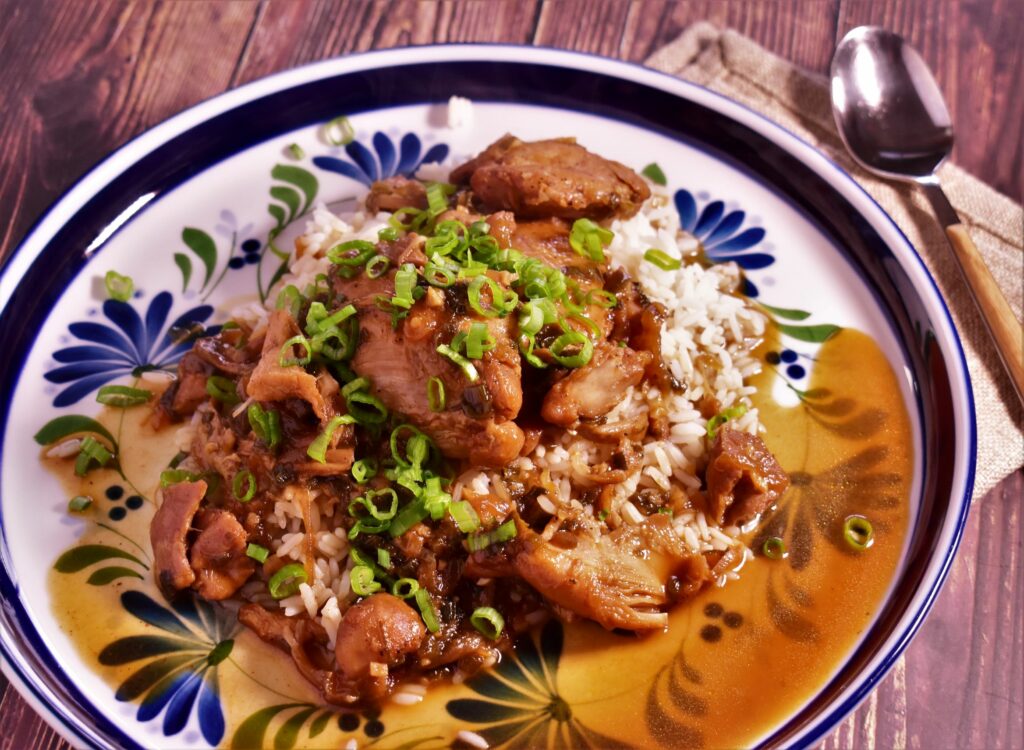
(40, 687)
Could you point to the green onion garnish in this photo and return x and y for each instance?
(427, 611)
(287, 359)
(119, 287)
(662, 260)
(364, 469)
(733, 412)
(351, 253)
(435, 500)
(366, 409)
(405, 282)
(435, 394)
(79, 503)
(122, 396)
(91, 452)
(243, 486)
(408, 517)
(176, 476)
(572, 349)
(317, 450)
(465, 516)
(483, 540)
(387, 234)
(318, 320)
(858, 532)
(437, 201)
(339, 131)
(478, 341)
(383, 558)
(498, 306)
(377, 266)
(488, 621)
(287, 580)
(588, 239)
(361, 580)
(601, 298)
(467, 367)
(775, 548)
(359, 384)
(266, 424)
(222, 389)
(405, 588)
(257, 553)
(296, 151)
(291, 299)
(438, 275)
(368, 503)
(653, 173)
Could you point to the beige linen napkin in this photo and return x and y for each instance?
(734, 65)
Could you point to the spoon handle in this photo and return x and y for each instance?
(995, 310)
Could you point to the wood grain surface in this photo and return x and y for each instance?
(82, 77)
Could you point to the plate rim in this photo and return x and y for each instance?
(95, 178)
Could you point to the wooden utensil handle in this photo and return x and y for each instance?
(1002, 323)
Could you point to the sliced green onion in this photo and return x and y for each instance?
(465, 516)
(488, 621)
(438, 275)
(498, 305)
(362, 582)
(361, 558)
(257, 553)
(317, 450)
(733, 412)
(601, 298)
(572, 349)
(176, 476)
(122, 396)
(408, 517)
(339, 131)
(588, 323)
(478, 341)
(266, 424)
(467, 367)
(243, 486)
(222, 389)
(286, 358)
(287, 580)
(435, 394)
(377, 266)
(383, 558)
(318, 320)
(368, 503)
(437, 201)
(364, 469)
(92, 451)
(775, 548)
(291, 299)
(405, 588)
(79, 503)
(366, 409)
(296, 151)
(405, 282)
(359, 384)
(858, 532)
(662, 260)
(427, 611)
(588, 239)
(119, 287)
(351, 253)
(485, 539)
(435, 500)
(414, 217)
(653, 173)
(387, 234)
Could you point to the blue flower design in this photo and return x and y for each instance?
(131, 345)
(366, 166)
(722, 236)
(181, 671)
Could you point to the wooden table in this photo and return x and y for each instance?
(82, 77)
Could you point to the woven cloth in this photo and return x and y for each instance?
(736, 66)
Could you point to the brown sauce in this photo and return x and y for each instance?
(734, 663)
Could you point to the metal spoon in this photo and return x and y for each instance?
(894, 121)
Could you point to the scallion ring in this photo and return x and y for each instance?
(488, 621)
(383, 558)
(122, 396)
(858, 532)
(775, 548)
(339, 131)
(435, 394)
(175, 476)
(366, 408)
(438, 275)
(364, 470)
(222, 389)
(405, 588)
(317, 450)
(287, 580)
(351, 253)
(119, 287)
(243, 486)
(733, 412)
(572, 349)
(601, 298)
(465, 516)
(478, 340)
(662, 260)
(588, 239)
(90, 452)
(362, 582)
(427, 611)
(79, 503)
(377, 266)
(287, 356)
(497, 306)
(467, 367)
